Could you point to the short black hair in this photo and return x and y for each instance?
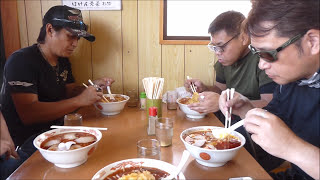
(289, 17)
(229, 21)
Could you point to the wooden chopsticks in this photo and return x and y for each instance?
(230, 94)
(192, 86)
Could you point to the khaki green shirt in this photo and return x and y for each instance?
(245, 76)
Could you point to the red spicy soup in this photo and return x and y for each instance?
(80, 139)
(205, 139)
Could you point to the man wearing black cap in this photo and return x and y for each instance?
(38, 85)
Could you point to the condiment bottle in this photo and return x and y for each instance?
(143, 100)
(152, 120)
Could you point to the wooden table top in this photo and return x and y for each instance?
(119, 143)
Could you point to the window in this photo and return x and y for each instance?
(187, 21)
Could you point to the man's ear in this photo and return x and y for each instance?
(244, 37)
(49, 30)
(313, 40)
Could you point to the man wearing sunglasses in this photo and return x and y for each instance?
(38, 85)
(286, 36)
(236, 68)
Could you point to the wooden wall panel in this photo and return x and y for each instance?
(107, 49)
(126, 48)
(173, 66)
(47, 4)
(199, 63)
(81, 60)
(34, 20)
(10, 26)
(130, 44)
(148, 43)
(23, 32)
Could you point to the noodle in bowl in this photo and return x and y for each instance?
(70, 158)
(113, 168)
(211, 157)
(112, 108)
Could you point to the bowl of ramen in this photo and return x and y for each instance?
(139, 168)
(112, 107)
(185, 101)
(209, 150)
(67, 148)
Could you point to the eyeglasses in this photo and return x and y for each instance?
(79, 25)
(220, 48)
(271, 55)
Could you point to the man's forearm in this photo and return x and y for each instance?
(39, 112)
(304, 155)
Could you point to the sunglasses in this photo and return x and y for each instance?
(271, 55)
(220, 48)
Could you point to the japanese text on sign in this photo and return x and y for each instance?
(94, 5)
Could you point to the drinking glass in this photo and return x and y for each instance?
(172, 97)
(148, 148)
(73, 119)
(164, 131)
(133, 101)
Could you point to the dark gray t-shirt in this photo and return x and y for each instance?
(26, 71)
(246, 77)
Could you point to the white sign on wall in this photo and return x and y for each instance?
(94, 5)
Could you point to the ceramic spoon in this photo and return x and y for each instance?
(109, 92)
(222, 132)
(182, 162)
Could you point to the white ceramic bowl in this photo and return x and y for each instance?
(209, 157)
(71, 158)
(190, 113)
(153, 163)
(111, 108)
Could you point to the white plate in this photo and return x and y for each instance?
(111, 168)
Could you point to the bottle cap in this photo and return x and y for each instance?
(143, 95)
(153, 111)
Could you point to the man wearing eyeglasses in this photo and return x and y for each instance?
(286, 36)
(38, 85)
(236, 68)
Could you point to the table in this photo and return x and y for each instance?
(119, 143)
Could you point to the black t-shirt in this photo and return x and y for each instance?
(26, 71)
(299, 107)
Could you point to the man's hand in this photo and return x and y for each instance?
(200, 86)
(209, 103)
(269, 132)
(7, 147)
(89, 96)
(103, 82)
(239, 103)
(6, 142)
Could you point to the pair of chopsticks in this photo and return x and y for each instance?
(230, 94)
(78, 127)
(192, 86)
(104, 98)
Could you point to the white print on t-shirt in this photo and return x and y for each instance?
(18, 83)
(64, 74)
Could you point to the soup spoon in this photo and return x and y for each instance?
(109, 91)
(65, 146)
(223, 132)
(183, 160)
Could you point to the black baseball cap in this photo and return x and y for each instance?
(70, 19)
